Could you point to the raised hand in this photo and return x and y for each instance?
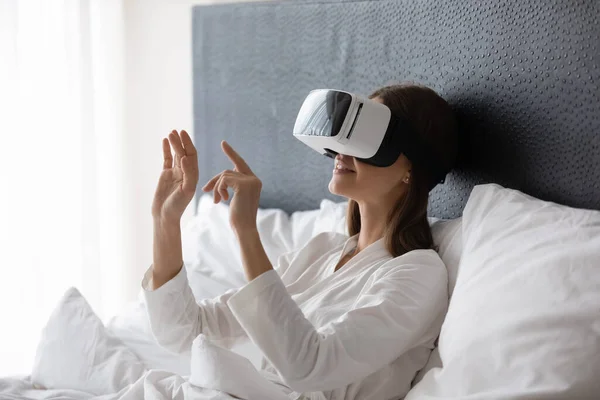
(178, 179)
(246, 187)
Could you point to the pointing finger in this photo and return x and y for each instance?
(237, 160)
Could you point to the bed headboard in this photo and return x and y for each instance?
(523, 77)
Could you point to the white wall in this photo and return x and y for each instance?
(158, 99)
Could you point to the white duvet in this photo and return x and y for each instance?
(154, 384)
(77, 352)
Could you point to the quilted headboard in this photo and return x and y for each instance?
(523, 77)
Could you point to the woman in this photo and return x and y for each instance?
(341, 318)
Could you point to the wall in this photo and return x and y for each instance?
(158, 99)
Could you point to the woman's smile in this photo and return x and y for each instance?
(341, 168)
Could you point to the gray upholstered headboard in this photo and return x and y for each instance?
(523, 76)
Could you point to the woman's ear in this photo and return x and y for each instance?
(407, 177)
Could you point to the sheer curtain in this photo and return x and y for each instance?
(63, 190)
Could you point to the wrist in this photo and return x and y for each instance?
(246, 231)
(167, 251)
(166, 224)
(253, 253)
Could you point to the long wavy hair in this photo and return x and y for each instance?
(433, 119)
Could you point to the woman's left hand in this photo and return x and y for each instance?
(246, 187)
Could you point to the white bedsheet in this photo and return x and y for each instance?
(153, 385)
(22, 388)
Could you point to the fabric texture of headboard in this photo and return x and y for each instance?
(522, 76)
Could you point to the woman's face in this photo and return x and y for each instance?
(366, 183)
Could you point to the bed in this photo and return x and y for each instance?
(523, 78)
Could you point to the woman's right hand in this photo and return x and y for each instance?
(178, 179)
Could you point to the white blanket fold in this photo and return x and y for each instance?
(214, 367)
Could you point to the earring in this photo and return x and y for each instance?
(405, 180)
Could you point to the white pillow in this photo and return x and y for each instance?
(524, 318)
(447, 236)
(132, 327)
(302, 224)
(331, 217)
(210, 247)
(76, 352)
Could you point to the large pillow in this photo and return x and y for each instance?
(447, 236)
(331, 217)
(76, 352)
(210, 247)
(524, 319)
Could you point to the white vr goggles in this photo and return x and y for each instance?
(334, 121)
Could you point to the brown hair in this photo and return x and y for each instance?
(431, 118)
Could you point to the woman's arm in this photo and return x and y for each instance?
(175, 189)
(167, 252)
(399, 310)
(175, 317)
(243, 210)
(254, 257)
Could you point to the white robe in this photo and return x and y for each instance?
(361, 332)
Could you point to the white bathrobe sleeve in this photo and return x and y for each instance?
(176, 318)
(394, 313)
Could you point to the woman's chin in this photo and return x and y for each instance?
(338, 188)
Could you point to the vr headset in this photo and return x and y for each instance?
(334, 121)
